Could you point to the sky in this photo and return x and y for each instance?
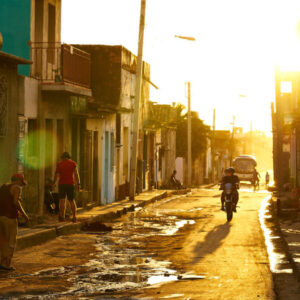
(230, 65)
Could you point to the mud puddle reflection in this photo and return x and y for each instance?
(279, 263)
(120, 263)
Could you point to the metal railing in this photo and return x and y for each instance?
(59, 63)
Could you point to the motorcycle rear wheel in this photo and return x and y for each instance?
(229, 211)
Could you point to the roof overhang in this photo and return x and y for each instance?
(66, 88)
(12, 59)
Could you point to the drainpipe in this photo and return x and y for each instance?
(118, 172)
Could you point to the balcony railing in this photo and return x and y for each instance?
(60, 63)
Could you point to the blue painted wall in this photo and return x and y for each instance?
(108, 183)
(15, 27)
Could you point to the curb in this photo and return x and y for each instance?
(208, 186)
(45, 235)
(68, 228)
(33, 239)
(285, 244)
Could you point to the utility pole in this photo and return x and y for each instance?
(213, 145)
(138, 85)
(189, 134)
(251, 138)
(232, 140)
(189, 130)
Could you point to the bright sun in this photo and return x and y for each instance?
(238, 45)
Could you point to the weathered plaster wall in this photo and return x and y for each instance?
(9, 110)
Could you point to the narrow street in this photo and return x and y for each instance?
(178, 248)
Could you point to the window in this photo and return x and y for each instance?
(286, 87)
(39, 16)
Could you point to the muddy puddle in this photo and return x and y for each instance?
(119, 263)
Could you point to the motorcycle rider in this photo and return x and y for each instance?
(234, 180)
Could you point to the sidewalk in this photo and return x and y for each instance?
(42, 233)
(288, 221)
(290, 229)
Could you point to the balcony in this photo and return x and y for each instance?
(61, 67)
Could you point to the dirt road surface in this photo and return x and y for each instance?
(178, 248)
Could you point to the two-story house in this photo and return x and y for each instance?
(75, 98)
(55, 98)
(113, 72)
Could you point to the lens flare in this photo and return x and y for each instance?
(36, 149)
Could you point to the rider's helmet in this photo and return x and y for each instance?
(230, 170)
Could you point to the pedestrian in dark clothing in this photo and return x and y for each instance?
(267, 178)
(66, 171)
(10, 208)
(256, 177)
(174, 182)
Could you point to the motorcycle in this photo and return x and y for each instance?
(229, 200)
(51, 199)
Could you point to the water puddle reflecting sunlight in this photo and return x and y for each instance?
(277, 257)
(161, 279)
(172, 296)
(120, 263)
(179, 224)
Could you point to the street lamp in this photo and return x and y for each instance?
(189, 127)
(189, 38)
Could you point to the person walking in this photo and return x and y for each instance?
(267, 179)
(10, 209)
(66, 171)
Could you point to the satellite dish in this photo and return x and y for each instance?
(1, 41)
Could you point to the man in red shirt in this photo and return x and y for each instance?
(66, 171)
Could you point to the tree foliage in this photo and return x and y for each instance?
(199, 135)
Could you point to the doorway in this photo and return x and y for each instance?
(95, 167)
(106, 168)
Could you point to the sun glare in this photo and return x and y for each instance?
(238, 44)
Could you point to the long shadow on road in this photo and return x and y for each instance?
(213, 240)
